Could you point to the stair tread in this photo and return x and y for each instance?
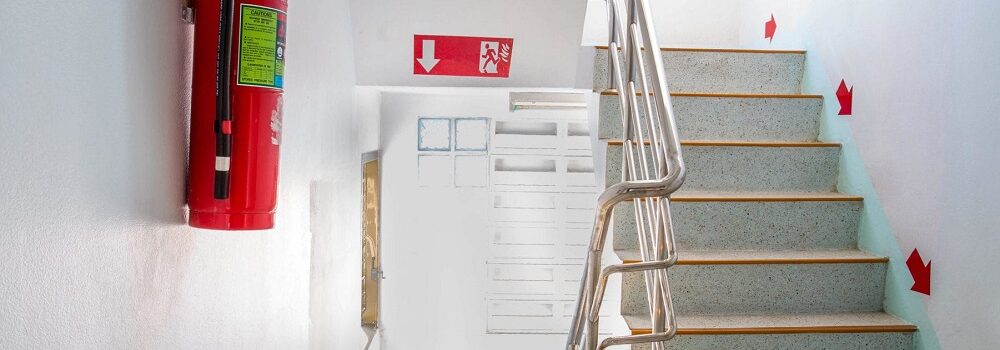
(758, 143)
(722, 70)
(692, 196)
(610, 92)
(720, 49)
(781, 323)
(720, 257)
(742, 143)
(715, 116)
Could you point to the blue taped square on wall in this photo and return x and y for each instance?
(433, 134)
(472, 134)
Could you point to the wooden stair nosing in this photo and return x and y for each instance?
(763, 197)
(788, 330)
(776, 261)
(613, 92)
(704, 49)
(690, 198)
(734, 143)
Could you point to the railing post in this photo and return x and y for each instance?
(630, 9)
(593, 275)
(612, 31)
(631, 40)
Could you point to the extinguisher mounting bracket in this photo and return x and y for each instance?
(187, 12)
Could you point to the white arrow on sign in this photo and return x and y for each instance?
(428, 61)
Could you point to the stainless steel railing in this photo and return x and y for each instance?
(652, 170)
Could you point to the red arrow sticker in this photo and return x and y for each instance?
(846, 98)
(921, 273)
(769, 28)
(462, 56)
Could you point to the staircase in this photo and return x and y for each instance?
(767, 247)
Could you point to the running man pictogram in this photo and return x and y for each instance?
(488, 57)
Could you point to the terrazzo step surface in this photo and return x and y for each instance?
(728, 117)
(768, 253)
(849, 331)
(719, 167)
(753, 221)
(722, 71)
(764, 282)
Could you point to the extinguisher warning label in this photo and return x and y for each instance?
(262, 47)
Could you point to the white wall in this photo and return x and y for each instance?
(94, 252)
(925, 122)
(678, 23)
(436, 241)
(546, 39)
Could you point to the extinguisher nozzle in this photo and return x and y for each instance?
(221, 185)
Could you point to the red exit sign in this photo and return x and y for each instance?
(462, 56)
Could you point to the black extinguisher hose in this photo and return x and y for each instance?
(223, 112)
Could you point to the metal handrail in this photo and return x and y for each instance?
(653, 139)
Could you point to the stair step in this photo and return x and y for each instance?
(760, 166)
(722, 71)
(780, 324)
(765, 282)
(746, 257)
(847, 331)
(728, 116)
(696, 196)
(753, 221)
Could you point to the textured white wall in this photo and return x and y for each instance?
(94, 252)
(925, 121)
(678, 23)
(546, 39)
(436, 240)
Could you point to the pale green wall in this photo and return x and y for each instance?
(875, 234)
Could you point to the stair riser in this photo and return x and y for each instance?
(832, 341)
(714, 168)
(751, 225)
(726, 118)
(722, 72)
(765, 289)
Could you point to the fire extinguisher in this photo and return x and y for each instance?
(236, 113)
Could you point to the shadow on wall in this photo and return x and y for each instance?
(370, 332)
(156, 140)
(875, 233)
(152, 193)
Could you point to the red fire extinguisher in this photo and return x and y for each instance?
(236, 113)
